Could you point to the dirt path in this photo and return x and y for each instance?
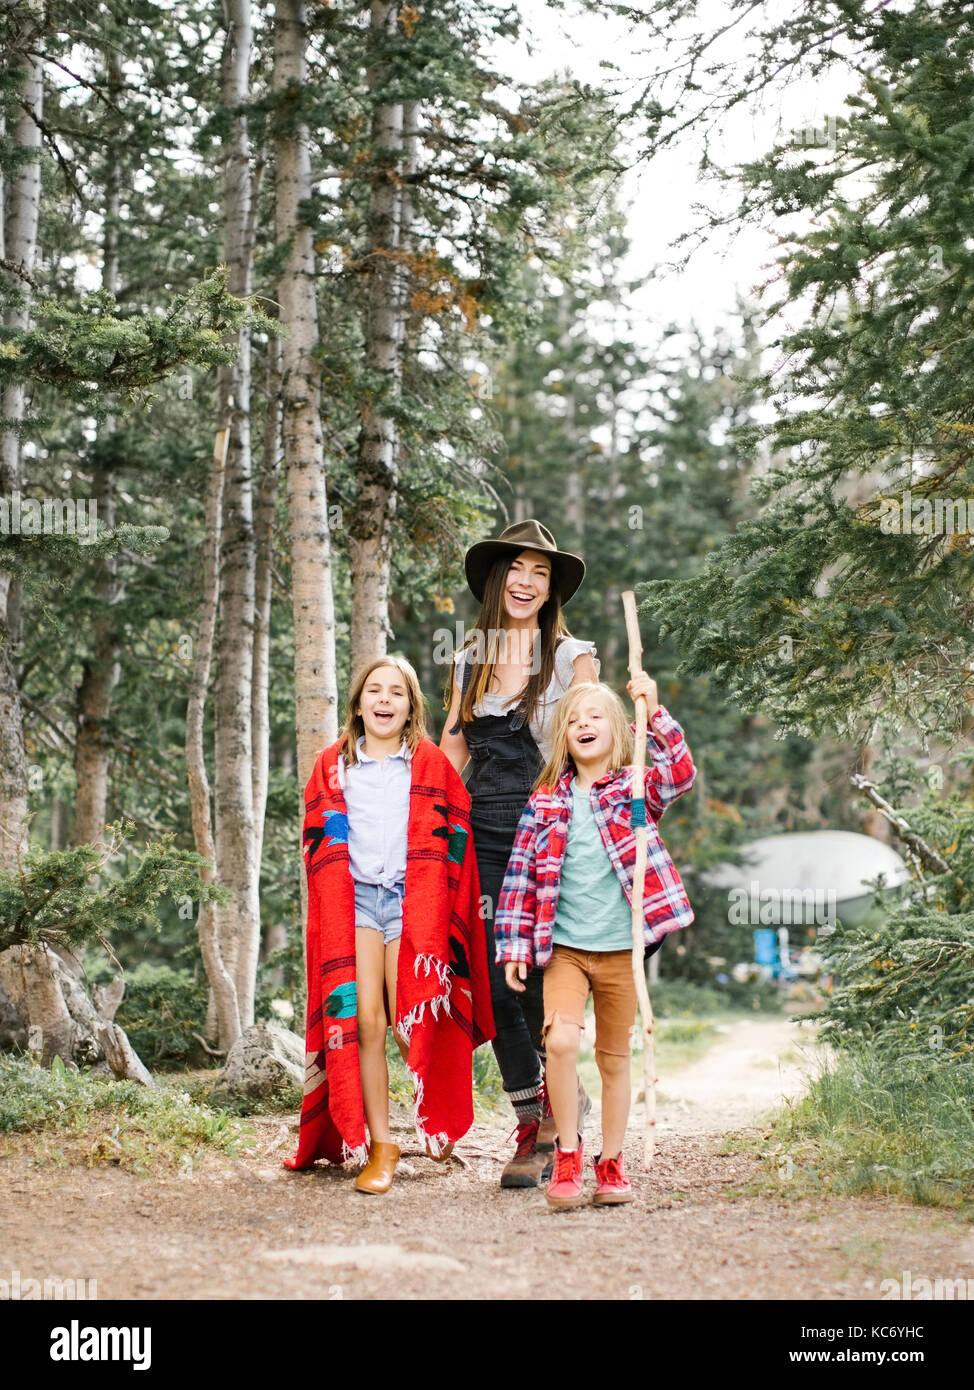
(754, 1066)
(250, 1229)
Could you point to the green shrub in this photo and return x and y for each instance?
(671, 997)
(161, 1010)
(115, 1121)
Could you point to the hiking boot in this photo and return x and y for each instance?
(546, 1130)
(565, 1187)
(584, 1108)
(524, 1169)
(613, 1187)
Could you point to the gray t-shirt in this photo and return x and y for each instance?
(542, 725)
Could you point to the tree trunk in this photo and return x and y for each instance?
(61, 1020)
(370, 532)
(274, 933)
(314, 617)
(100, 674)
(270, 473)
(19, 214)
(237, 864)
(223, 989)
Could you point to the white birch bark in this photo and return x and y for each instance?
(19, 212)
(224, 991)
(313, 601)
(274, 933)
(237, 866)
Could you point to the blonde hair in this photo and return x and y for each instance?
(560, 760)
(354, 728)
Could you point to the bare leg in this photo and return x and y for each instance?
(369, 972)
(616, 1094)
(561, 1048)
(392, 970)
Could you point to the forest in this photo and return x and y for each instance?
(300, 300)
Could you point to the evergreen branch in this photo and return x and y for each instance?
(921, 852)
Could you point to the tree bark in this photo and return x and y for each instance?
(274, 933)
(61, 1020)
(314, 616)
(224, 991)
(237, 864)
(370, 532)
(101, 672)
(19, 214)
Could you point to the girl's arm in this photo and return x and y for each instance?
(517, 906)
(672, 771)
(455, 745)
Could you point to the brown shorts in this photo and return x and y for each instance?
(569, 976)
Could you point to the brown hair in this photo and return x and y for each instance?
(354, 728)
(559, 759)
(490, 622)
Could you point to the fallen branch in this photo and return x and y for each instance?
(210, 1051)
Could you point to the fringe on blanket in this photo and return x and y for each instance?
(406, 1024)
(440, 1001)
(359, 1155)
(440, 967)
(435, 1142)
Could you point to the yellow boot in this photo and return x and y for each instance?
(377, 1174)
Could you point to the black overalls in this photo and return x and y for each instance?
(506, 761)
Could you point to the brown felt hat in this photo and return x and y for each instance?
(523, 535)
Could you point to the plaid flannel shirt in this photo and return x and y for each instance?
(529, 897)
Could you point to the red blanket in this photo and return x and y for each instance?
(442, 992)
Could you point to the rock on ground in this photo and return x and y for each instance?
(265, 1060)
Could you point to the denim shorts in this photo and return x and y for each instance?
(380, 908)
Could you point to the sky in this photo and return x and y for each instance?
(659, 195)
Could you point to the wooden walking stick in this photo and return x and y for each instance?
(639, 883)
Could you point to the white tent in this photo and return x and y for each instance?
(833, 865)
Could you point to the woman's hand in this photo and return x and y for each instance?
(644, 685)
(515, 973)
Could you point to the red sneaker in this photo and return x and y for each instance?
(614, 1187)
(565, 1185)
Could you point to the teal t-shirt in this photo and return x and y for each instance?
(593, 912)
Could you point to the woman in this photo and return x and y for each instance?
(507, 681)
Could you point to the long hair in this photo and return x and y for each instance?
(354, 727)
(491, 622)
(560, 760)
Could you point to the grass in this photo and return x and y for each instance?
(102, 1120)
(870, 1125)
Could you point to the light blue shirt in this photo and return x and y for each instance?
(377, 801)
(593, 912)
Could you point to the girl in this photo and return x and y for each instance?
(517, 664)
(566, 904)
(393, 933)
